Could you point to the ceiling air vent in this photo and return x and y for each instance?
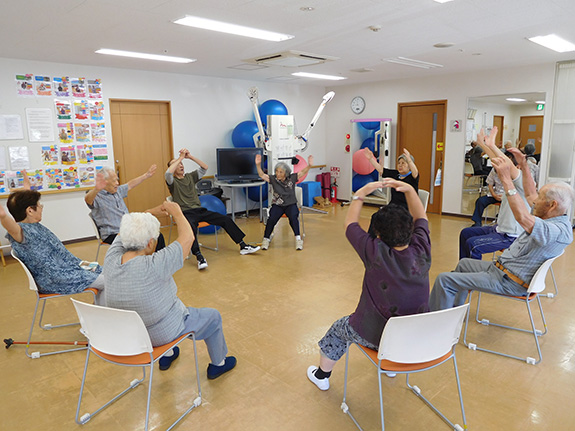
(291, 59)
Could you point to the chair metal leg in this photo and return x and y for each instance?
(551, 295)
(344, 406)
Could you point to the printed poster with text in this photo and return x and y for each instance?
(50, 155)
(86, 174)
(85, 154)
(96, 110)
(94, 88)
(63, 109)
(100, 152)
(54, 178)
(81, 110)
(68, 154)
(61, 86)
(98, 132)
(36, 179)
(82, 131)
(2, 184)
(14, 179)
(24, 85)
(65, 133)
(43, 86)
(70, 176)
(78, 87)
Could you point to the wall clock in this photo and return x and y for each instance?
(357, 104)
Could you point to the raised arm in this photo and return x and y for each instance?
(138, 180)
(357, 202)
(414, 204)
(411, 164)
(10, 225)
(487, 144)
(90, 197)
(529, 185)
(26, 180)
(367, 153)
(261, 173)
(185, 233)
(305, 170)
(201, 164)
(173, 166)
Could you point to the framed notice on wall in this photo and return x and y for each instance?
(40, 128)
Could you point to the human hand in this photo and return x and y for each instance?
(310, 161)
(408, 154)
(502, 166)
(520, 157)
(399, 186)
(26, 180)
(367, 153)
(100, 181)
(2, 212)
(490, 140)
(258, 159)
(171, 208)
(369, 188)
(151, 171)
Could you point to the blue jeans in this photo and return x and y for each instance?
(206, 323)
(480, 205)
(476, 241)
(452, 288)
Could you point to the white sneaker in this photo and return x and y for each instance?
(322, 384)
(202, 263)
(249, 249)
(299, 244)
(265, 244)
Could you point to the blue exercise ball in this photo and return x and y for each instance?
(370, 125)
(271, 107)
(212, 203)
(254, 193)
(358, 181)
(243, 134)
(374, 175)
(369, 143)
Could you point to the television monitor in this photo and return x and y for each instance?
(237, 164)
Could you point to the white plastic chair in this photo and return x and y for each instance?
(98, 237)
(299, 198)
(130, 347)
(536, 286)
(43, 297)
(411, 344)
(424, 196)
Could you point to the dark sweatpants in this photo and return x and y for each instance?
(196, 215)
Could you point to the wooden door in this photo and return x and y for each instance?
(421, 129)
(498, 122)
(531, 131)
(142, 135)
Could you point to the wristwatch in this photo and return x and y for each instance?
(511, 192)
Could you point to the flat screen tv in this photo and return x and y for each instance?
(237, 164)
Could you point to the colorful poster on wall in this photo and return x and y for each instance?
(24, 86)
(96, 110)
(86, 175)
(78, 87)
(70, 177)
(100, 152)
(94, 88)
(43, 86)
(82, 131)
(63, 109)
(36, 179)
(68, 154)
(2, 184)
(50, 155)
(81, 110)
(61, 86)
(14, 179)
(54, 178)
(65, 133)
(98, 132)
(85, 154)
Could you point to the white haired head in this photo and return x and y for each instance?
(107, 171)
(562, 193)
(137, 229)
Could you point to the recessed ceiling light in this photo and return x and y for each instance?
(306, 8)
(224, 27)
(515, 99)
(444, 45)
(554, 42)
(318, 76)
(145, 56)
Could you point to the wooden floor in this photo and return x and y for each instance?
(276, 305)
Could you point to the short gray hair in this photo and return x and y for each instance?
(137, 229)
(562, 193)
(404, 157)
(106, 171)
(284, 167)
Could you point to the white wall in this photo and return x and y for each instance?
(382, 99)
(204, 112)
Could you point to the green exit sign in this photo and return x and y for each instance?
(540, 106)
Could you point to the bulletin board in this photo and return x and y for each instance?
(58, 135)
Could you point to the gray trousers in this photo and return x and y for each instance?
(207, 325)
(452, 288)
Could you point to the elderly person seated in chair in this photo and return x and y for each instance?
(284, 200)
(53, 267)
(396, 279)
(141, 280)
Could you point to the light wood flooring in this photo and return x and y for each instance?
(276, 305)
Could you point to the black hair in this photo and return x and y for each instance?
(393, 224)
(19, 201)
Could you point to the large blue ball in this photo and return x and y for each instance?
(254, 193)
(358, 181)
(374, 175)
(271, 107)
(243, 134)
(370, 125)
(212, 203)
(369, 143)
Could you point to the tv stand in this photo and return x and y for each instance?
(234, 184)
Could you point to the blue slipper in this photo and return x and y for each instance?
(166, 361)
(215, 371)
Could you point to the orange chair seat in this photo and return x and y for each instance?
(399, 366)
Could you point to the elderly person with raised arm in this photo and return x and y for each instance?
(546, 233)
(396, 278)
(284, 200)
(53, 267)
(106, 202)
(141, 280)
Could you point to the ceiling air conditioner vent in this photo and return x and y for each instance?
(291, 59)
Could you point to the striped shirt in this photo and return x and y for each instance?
(108, 209)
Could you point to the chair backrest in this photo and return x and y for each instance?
(421, 337)
(469, 169)
(424, 196)
(299, 196)
(96, 229)
(113, 331)
(31, 282)
(538, 281)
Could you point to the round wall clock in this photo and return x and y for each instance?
(357, 104)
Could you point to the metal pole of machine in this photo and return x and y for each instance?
(433, 148)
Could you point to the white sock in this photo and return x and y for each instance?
(298, 237)
(221, 363)
(170, 353)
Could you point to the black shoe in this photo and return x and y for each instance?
(166, 361)
(215, 371)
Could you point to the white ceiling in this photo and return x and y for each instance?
(487, 34)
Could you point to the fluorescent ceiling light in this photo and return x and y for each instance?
(414, 63)
(145, 56)
(318, 76)
(224, 27)
(515, 99)
(554, 42)
(540, 102)
(442, 1)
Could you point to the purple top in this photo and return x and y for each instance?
(396, 283)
